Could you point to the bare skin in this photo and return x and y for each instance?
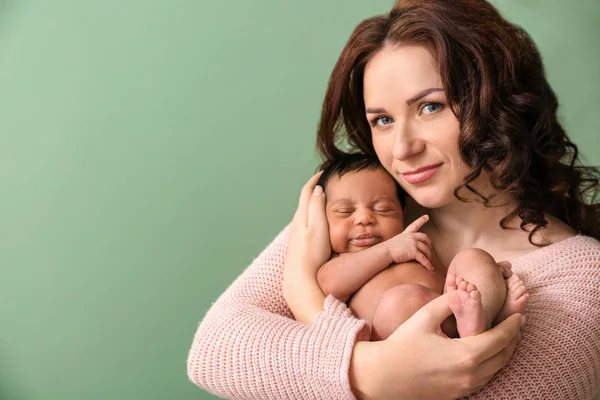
(412, 127)
(431, 366)
(395, 286)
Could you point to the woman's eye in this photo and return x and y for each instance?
(429, 108)
(381, 121)
(383, 210)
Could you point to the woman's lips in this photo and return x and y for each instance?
(365, 241)
(421, 174)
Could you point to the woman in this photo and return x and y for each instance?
(453, 101)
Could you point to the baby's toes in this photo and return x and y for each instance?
(463, 295)
(513, 280)
(475, 295)
(518, 291)
(520, 303)
(451, 281)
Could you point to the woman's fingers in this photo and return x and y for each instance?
(492, 342)
(489, 367)
(316, 209)
(430, 316)
(417, 224)
(301, 216)
(317, 227)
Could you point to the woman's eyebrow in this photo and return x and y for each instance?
(422, 94)
(376, 111)
(410, 101)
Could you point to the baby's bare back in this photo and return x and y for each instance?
(364, 301)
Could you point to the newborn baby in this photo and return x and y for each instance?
(385, 273)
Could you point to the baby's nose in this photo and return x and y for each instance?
(364, 217)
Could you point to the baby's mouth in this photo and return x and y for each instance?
(365, 240)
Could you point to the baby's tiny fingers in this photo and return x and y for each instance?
(424, 249)
(417, 224)
(422, 237)
(422, 258)
(427, 263)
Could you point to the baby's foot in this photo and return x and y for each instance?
(465, 302)
(516, 298)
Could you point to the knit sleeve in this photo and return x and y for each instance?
(559, 354)
(248, 346)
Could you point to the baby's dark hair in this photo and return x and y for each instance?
(354, 162)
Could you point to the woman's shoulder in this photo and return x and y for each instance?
(576, 253)
(558, 241)
(575, 247)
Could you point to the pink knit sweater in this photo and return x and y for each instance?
(249, 346)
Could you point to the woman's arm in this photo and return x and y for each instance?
(248, 345)
(308, 249)
(417, 361)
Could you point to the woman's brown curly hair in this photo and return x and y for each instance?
(495, 83)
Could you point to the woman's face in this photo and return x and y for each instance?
(414, 131)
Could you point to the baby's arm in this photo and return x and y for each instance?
(343, 275)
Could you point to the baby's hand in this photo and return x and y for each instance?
(411, 245)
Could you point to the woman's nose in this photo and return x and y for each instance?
(406, 143)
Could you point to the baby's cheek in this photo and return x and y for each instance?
(338, 239)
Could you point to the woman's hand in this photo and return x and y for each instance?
(418, 362)
(308, 249)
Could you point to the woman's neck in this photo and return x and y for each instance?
(463, 225)
(471, 224)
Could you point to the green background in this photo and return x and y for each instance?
(150, 149)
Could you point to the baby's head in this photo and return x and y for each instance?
(364, 203)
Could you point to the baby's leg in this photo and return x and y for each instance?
(476, 290)
(396, 306)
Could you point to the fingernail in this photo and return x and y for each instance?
(318, 190)
(523, 319)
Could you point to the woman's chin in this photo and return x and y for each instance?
(433, 200)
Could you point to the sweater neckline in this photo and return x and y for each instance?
(551, 247)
